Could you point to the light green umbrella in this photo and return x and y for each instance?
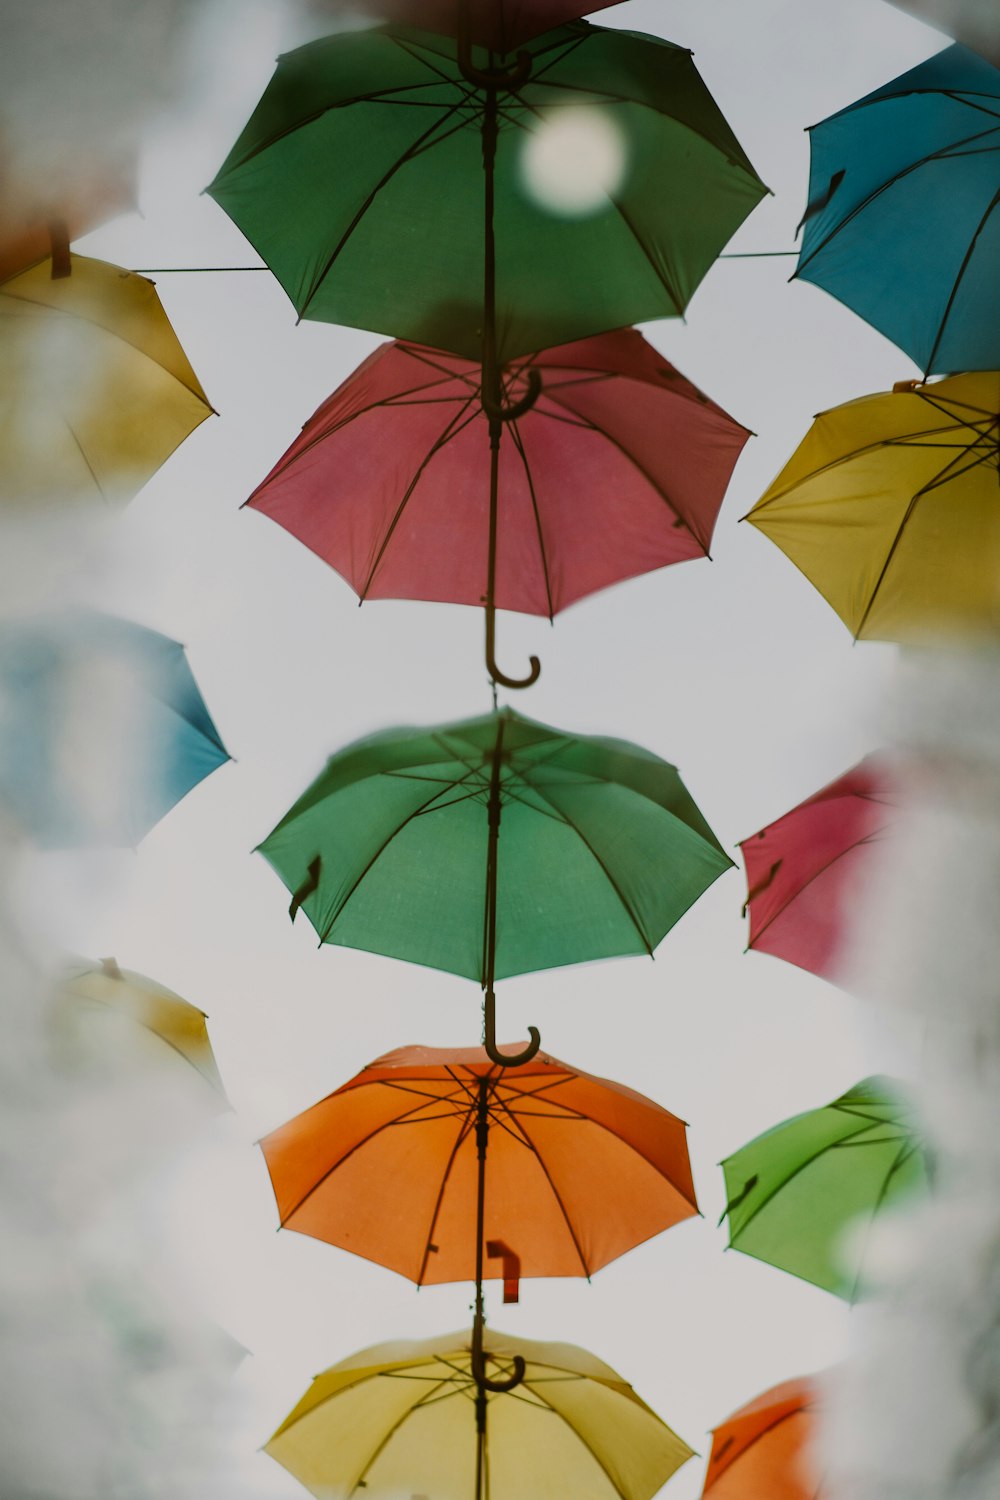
(795, 1191)
(494, 847)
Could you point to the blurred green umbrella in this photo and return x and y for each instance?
(795, 1190)
(494, 847)
(385, 178)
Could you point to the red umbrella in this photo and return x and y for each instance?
(614, 465)
(500, 24)
(805, 872)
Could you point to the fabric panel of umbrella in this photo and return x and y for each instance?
(764, 1450)
(794, 1192)
(407, 1418)
(807, 871)
(372, 164)
(578, 1170)
(102, 728)
(88, 991)
(396, 848)
(889, 508)
(500, 25)
(95, 389)
(619, 467)
(903, 223)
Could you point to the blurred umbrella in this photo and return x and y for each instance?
(406, 1418)
(396, 848)
(102, 728)
(88, 991)
(902, 223)
(806, 871)
(565, 1170)
(383, 182)
(764, 1450)
(39, 218)
(795, 1191)
(95, 389)
(619, 467)
(889, 508)
(499, 24)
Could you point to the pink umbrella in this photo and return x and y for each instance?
(500, 24)
(613, 465)
(806, 872)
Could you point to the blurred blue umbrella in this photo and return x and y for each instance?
(903, 219)
(102, 728)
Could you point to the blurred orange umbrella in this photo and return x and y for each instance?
(763, 1451)
(41, 212)
(393, 1167)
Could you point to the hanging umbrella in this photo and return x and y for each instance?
(38, 219)
(572, 1170)
(494, 847)
(902, 223)
(806, 871)
(500, 25)
(102, 728)
(764, 1450)
(794, 1191)
(889, 508)
(408, 1418)
(88, 992)
(95, 389)
(382, 180)
(619, 467)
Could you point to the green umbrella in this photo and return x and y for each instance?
(373, 170)
(494, 847)
(794, 1191)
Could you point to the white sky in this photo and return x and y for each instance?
(734, 670)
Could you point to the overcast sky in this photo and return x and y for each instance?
(735, 670)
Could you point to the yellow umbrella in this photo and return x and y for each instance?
(91, 991)
(400, 1420)
(95, 389)
(891, 508)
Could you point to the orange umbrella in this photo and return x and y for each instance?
(393, 1167)
(764, 1450)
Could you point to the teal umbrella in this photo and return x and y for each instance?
(795, 1191)
(495, 847)
(384, 174)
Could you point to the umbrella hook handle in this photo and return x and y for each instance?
(505, 1059)
(484, 1382)
(487, 78)
(500, 411)
(491, 659)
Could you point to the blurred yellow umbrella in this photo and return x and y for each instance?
(403, 1419)
(891, 508)
(95, 389)
(89, 991)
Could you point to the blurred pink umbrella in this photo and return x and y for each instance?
(499, 24)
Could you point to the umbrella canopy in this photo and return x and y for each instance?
(578, 1170)
(90, 991)
(902, 223)
(806, 871)
(386, 188)
(795, 1190)
(95, 389)
(763, 1451)
(889, 508)
(500, 25)
(399, 1419)
(80, 191)
(102, 728)
(619, 467)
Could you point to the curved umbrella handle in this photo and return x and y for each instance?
(505, 1059)
(510, 411)
(488, 78)
(484, 1382)
(491, 659)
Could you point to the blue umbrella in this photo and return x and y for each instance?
(102, 729)
(903, 224)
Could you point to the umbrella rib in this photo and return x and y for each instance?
(461, 1136)
(387, 1439)
(903, 1155)
(958, 280)
(90, 467)
(905, 441)
(776, 1421)
(583, 1441)
(868, 838)
(606, 872)
(562, 1207)
(988, 455)
(766, 1196)
(519, 445)
(943, 151)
